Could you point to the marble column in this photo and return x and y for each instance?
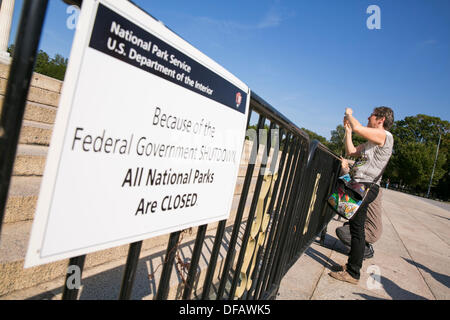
(6, 15)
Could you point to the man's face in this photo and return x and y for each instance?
(373, 122)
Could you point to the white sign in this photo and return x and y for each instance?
(147, 141)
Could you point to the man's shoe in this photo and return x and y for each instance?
(368, 251)
(344, 276)
(339, 268)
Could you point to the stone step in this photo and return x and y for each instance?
(30, 160)
(37, 112)
(43, 89)
(14, 241)
(40, 113)
(36, 94)
(33, 132)
(38, 80)
(22, 198)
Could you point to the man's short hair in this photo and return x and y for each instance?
(388, 115)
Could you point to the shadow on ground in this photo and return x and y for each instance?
(389, 286)
(442, 278)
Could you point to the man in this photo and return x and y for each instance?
(373, 158)
(373, 226)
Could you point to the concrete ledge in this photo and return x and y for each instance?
(36, 94)
(22, 198)
(38, 80)
(35, 133)
(14, 241)
(40, 113)
(37, 112)
(30, 160)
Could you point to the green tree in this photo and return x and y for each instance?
(52, 67)
(336, 143)
(414, 162)
(42, 62)
(10, 49)
(415, 143)
(57, 67)
(314, 136)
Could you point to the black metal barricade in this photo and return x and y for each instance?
(289, 203)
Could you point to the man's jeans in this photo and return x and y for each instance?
(358, 241)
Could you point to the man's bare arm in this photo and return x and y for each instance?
(376, 135)
(350, 149)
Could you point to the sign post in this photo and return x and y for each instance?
(147, 141)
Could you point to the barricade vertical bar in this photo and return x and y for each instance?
(240, 212)
(273, 217)
(313, 169)
(269, 206)
(130, 270)
(297, 208)
(213, 259)
(277, 267)
(278, 218)
(163, 287)
(301, 207)
(248, 226)
(306, 189)
(303, 221)
(286, 234)
(72, 293)
(194, 261)
(293, 158)
(26, 45)
(216, 248)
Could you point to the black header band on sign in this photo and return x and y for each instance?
(120, 38)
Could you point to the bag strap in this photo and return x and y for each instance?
(377, 177)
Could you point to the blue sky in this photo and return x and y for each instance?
(311, 59)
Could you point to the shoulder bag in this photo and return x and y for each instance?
(348, 195)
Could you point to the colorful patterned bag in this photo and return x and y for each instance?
(347, 196)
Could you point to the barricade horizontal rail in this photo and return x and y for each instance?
(288, 205)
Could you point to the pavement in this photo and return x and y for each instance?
(411, 261)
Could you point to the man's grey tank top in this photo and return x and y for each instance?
(373, 160)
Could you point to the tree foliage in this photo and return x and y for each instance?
(53, 67)
(314, 136)
(337, 140)
(416, 141)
